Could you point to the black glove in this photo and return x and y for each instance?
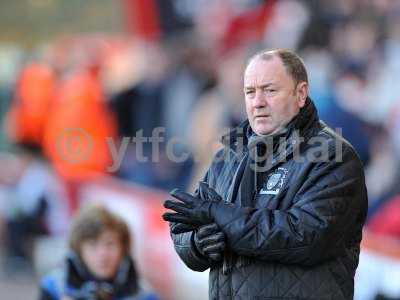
(197, 211)
(178, 228)
(206, 193)
(189, 210)
(203, 192)
(210, 241)
(192, 210)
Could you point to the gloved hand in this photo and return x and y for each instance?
(195, 211)
(203, 192)
(178, 228)
(210, 241)
(190, 210)
(198, 211)
(206, 193)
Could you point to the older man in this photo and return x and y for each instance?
(281, 209)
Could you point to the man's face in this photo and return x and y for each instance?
(103, 255)
(272, 99)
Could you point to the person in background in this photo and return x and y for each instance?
(99, 265)
(35, 198)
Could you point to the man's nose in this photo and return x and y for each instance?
(259, 99)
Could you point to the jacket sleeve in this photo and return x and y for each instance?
(186, 249)
(188, 253)
(331, 203)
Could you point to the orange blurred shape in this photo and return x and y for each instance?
(78, 128)
(30, 108)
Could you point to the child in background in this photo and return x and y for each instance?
(99, 265)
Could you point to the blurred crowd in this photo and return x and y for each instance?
(78, 108)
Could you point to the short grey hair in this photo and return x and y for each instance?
(293, 63)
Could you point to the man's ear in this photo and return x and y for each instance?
(302, 93)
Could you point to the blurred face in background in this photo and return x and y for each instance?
(103, 255)
(271, 96)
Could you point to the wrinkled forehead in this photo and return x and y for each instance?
(261, 70)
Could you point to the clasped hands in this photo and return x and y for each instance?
(197, 214)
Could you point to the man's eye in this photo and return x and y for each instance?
(270, 90)
(249, 92)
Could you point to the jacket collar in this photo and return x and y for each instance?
(238, 138)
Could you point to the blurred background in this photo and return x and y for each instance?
(84, 85)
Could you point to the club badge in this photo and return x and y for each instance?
(275, 182)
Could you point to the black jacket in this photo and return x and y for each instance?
(299, 229)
